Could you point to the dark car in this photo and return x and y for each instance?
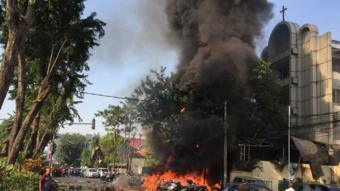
(252, 187)
(250, 180)
(319, 187)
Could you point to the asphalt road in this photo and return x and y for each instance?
(84, 183)
(77, 179)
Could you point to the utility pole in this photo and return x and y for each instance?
(288, 154)
(225, 157)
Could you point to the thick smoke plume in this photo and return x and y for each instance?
(216, 39)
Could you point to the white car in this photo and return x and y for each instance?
(102, 172)
(91, 173)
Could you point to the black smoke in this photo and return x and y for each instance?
(216, 39)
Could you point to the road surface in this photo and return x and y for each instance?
(88, 184)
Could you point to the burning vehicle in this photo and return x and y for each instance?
(173, 185)
(171, 181)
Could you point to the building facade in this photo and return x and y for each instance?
(308, 65)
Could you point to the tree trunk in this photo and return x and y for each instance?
(20, 99)
(18, 27)
(43, 140)
(36, 106)
(33, 138)
(43, 92)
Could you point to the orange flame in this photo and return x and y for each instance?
(152, 181)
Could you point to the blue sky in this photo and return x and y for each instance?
(135, 43)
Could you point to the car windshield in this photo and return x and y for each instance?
(93, 170)
(104, 170)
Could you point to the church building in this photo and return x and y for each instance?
(308, 64)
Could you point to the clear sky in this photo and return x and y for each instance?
(135, 43)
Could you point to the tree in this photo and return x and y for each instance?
(17, 16)
(57, 65)
(115, 119)
(56, 111)
(186, 124)
(268, 116)
(70, 149)
(109, 145)
(85, 158)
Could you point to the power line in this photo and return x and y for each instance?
(115, 97)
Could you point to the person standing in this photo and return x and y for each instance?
(45, 180)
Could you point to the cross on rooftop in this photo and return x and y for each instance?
(283, 11)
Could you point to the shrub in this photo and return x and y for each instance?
(20, 181)
(13, 180)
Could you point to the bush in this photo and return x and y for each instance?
(12, 180)
(20, 181)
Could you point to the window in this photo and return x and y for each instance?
(336, 95)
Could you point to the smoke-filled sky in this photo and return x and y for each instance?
(136, 41)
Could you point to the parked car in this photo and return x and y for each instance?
(250, 180)
(91, 173)
(252, 187)
(319, 187)
(102, 172)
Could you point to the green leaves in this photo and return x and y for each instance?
(11, 179)
(5, 168)
(70, 148)
(60, 39)
(113, 115)
(267, 116)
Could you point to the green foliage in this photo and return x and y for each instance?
(163, 99)
(185, 123)
(267, 117)
(85, 158)
(13, 180)
(113, 115)
(59, 30)
(20, 181)
(5, 169)
(5, 129)
(151, 161)
(70, 149)
(109, 145)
